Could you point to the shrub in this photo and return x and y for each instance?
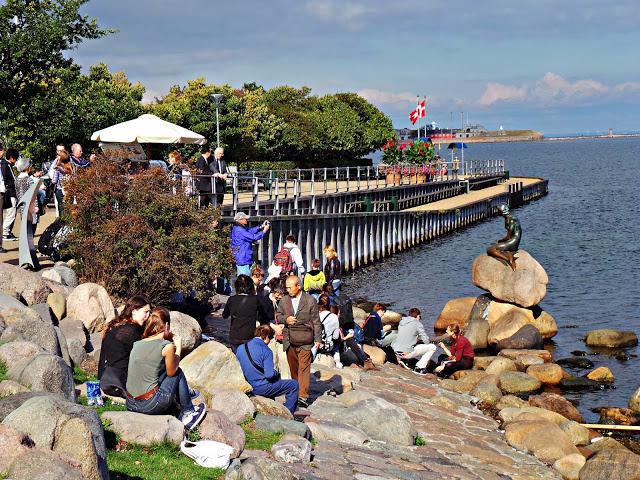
(139, 234)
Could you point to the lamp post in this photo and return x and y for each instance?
(216, 98)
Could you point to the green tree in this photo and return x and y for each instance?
(34, 35)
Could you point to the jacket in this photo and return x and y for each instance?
(409, 331)
(314, 281)
(332, 270)
(9, 182)
(203, 183)
(213, 166)
(307, 314)
(241, 240)
(263, 357)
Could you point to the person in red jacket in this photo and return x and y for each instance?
(459, 357)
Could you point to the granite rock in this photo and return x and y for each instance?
(233, 403)
(611, 338)
(217, 426)
(457, 310)
(266, 406)
(90, 303)
(527, 337)
(547, 373)
(518, 383)
(292, 450)
(188, 329)
(145, 429)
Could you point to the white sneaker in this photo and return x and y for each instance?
(192, 419)
(339, 365)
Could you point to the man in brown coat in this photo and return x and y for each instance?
(303, 330)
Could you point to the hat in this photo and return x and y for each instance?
(240, 216)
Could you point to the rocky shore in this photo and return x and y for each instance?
(491, 422)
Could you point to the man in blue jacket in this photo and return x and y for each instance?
(256, 360)
(241, 239)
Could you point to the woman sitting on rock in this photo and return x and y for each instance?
(118, 340)
(459, 357)
(155, 381)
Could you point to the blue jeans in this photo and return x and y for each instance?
(172, 389)
(337, 285)
(288, 388)
(243, 270)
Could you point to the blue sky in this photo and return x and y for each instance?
(554, 66)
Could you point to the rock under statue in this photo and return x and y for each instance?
(505, 249)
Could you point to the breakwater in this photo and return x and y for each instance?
(363, 238)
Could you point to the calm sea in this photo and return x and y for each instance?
(585, 233)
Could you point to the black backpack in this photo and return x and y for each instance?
(345, 316)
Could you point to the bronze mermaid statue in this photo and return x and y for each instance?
(505, 249)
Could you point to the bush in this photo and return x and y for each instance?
(139, 234)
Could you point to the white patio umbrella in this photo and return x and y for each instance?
(147, 129)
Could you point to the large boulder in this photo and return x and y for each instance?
(547, 373)
(145, 429)
(13, 402)
(578, 434)
(278, 424)
(601, 375)
(258, 468)
(12, 353)
(378, 356)
(19, 283)
(39, 464)
(58, 304)
(13, 443)
(35, 331)
(481, 363)
(391, 318)
(45, 372)
(359, 315)
(613, 464)
(527, 337)
(525, 286)
(477, 332)
(510, 401)
(518, 383)
(213, 366)
(543, 321)
(266, 406)
(233, 403)
(12, 310)
(569, 467)
(188, 329)
(75, 330)
(457, 310)
(518, 414)
(506, 326)
(379, 419)
(501, 365)
(67, 275)
(64, 427)
(337, 432)
(525, 361)
(611, 338)
(90, 303)
(9, 387)
(487, 392)
(543, 439)
(545, 355)
(217, 426)
(556, 403)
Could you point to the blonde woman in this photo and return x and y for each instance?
(332, 269)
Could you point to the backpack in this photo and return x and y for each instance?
(345, 305)
(358, 333)
(284, 260)
(326, 342)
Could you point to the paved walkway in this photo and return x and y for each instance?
(473, 196)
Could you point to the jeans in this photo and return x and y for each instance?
(423, 352)
(288, 388)
(357, 349)
(172, 389)
(466, 363)
(243, 270)
(9, 213)
(337, 285)
(59, 200)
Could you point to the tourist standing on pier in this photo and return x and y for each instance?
(60, 169)
(220, 173)
(241, 239)
(303, 331)
(332, 269)
(10, 199)
(203, 183)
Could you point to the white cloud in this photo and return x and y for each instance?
(553, 89)
(380, 97)
(347, 14)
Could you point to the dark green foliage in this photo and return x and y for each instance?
(80, 376)
(133, 235)
(3, 371)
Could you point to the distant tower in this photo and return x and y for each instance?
(611, 132)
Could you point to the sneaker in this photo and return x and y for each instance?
(302, 403)
(11, 237)
(339, 365)
(403, 363)
(420, 371)
(193, 393)
(192, 419)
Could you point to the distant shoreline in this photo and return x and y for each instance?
(530, 138)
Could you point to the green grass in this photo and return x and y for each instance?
(3, 372)
(256, 439)
(420, 442)
(162, 461)
(80, 376)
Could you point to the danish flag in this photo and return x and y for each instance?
(419, 112)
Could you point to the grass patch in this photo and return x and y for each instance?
(162, 461)
(80, 376)
(256, 439)
(3, 373)
(109, 406)
(420, 442)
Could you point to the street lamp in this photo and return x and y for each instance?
(216, 98)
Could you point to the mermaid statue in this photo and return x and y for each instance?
(505, 249)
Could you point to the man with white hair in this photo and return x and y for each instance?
(76, 157)
(220, 174)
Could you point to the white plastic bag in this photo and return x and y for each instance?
(207, 453)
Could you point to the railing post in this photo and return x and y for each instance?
(347, 168)
(296, 190)
(286, 184)
(235, 194)
(337, 178)
(256, 196)
(276, 205)
(358, 178)
(368, 175)
(325, 180)
(313, 191)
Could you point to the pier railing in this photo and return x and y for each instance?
(252, 188)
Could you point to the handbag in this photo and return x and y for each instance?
(112, 382)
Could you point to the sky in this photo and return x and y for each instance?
(558, 67)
